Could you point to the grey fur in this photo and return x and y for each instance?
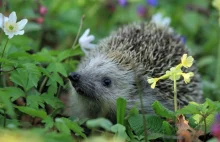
(128, 57)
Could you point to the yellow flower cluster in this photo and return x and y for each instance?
(175, 72)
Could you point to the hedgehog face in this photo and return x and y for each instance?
(99, 78)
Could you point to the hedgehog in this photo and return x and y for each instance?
(121, 64)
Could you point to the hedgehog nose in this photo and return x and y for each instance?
(73, 76)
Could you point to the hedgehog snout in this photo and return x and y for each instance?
(74, 77)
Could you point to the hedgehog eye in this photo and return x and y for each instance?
(106, 82)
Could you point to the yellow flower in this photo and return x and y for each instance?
(174, 72)
(187, 76)
(216, 4)
(187, 61)
(153, 82)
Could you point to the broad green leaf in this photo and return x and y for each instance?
(99, 122)
(191, 108)
(153, 123)
(27, 77)
(33, 112)
(160, 110)
(167, 130)
(121, 108)
(199, 121)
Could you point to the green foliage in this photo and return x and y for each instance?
(35, 66)
(121, 108)
(160, 110)
(202, 115)
(99, 123)
(120, 132)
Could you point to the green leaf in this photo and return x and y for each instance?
(160, 110)
(191, 108)
(33, 112)
(61, 126)
(54, 102)
(199, 121)
(74, 127)
(35, 101)
(55, 78)
(27, 77)
(43, 56)
(121, 108)
(67, 53)
(6, 104)
(99, 122)
(153, 123)
(57, 67)
(120, 132)
(167, 130)
(13, 92)
(49, 123)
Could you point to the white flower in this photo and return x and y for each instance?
(161, 21)
(9, 25)
(85, 41)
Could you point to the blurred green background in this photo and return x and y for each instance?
(53, 24)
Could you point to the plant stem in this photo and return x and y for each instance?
(175, 93)
(43, 84)
(205, 128)
(80, 27)
(3, 52)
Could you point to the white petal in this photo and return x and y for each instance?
(166, 21)
(90, 38)
(10, 35)
(90, 46)
(22, 23)
(85, 34)
(1, 20)
(12, 17)
(19, 32)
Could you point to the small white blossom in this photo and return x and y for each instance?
(161, 21)
(9, 25)
(85, 41)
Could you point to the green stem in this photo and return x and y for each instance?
(3, 51)
(77, 36)
(43, 84)
(205, 125)
(175, 94)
